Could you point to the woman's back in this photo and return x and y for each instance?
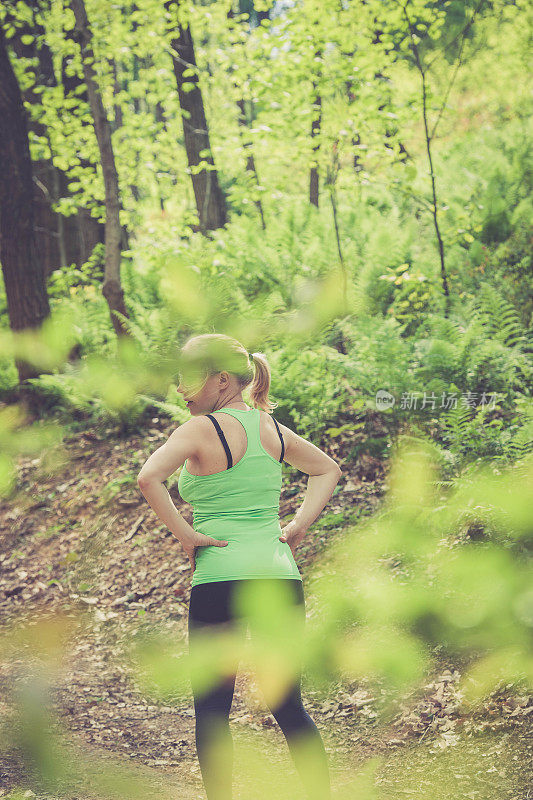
(239, 504)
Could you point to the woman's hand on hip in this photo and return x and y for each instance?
(200, 540)
(292, 534)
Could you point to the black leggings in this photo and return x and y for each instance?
(212, 609)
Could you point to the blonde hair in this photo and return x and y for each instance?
(209, 353)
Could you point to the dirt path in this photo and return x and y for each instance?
(83, 542)
(429, 749)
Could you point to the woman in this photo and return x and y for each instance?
(231, 456)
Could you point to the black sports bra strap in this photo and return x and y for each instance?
(222, 439)
(282, 442)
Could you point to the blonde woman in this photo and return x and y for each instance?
(231, 457)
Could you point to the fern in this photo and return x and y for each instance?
(499, 317)
(456, 423)
(518, 443)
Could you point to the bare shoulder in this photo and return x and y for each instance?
(304, 455)
(193, 430)
(183, 443)
(190, 438)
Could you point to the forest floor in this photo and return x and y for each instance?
(79, 542)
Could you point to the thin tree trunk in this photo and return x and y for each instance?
(135, 70)
(89, 231)
(250, 162)
(159, 114)
(391, 130)
(429, 137)
(118, 120)
(356, 138)
(244, 123)
(434, 195)
(316, 122)
(27, 301)
(210, 200)
(112, 288)
(331, 183)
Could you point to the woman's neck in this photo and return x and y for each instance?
(234, 402)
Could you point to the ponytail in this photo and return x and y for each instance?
(260, 386)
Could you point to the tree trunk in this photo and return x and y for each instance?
(118, 120)
(316, 122)
(159, 114)
(250, 161)
(27, 301)
(429, 138)
(210, 200)
(112, 288)
(88, 231)
(315, 131)
(356, 138)
(244, 123)
(49, 226)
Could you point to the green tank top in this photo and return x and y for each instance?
(240, 505)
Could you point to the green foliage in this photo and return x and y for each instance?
(103, 392)
(378, 357)
(500, 362)
(72, 278)
(307, 387)
(414, 296)
(475, 435)
(489, 215)
(500, 319)
(509, 267)
(8, 375)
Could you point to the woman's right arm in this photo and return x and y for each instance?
(324, 473)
